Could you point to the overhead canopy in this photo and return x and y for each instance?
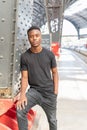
(39, 13)
(76, 13)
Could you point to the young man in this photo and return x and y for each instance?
(39, 70)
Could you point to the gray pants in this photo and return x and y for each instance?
(46, 100)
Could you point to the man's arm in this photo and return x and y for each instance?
(24, 84)
(55, 79)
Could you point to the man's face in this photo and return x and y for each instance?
(34, 37)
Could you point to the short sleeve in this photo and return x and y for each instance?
(53, 61)
(23, 63)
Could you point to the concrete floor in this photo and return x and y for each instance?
(72, 98)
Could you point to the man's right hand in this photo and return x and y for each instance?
(22, 102)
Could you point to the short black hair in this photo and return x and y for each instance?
(32, 28)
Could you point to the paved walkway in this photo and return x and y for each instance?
(72, 98)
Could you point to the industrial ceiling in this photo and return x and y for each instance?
(75, 11)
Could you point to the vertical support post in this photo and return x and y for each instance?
(7, 35)
(54, 11)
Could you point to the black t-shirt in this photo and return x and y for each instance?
(39, 67)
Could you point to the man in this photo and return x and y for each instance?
(39, 70)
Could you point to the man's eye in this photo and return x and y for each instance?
(37, 35)
(31, 36)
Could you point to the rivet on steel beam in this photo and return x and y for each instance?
(17, 49)
(21, 22)
(12, 54)
(11, 64)
(16, 72)
(10, 82)
(14, 9)
(13, 32)
(19, 15)
(16, 60)
(17, 38)
(12, 43)
(14, 20)
(2, 38)
(18, 27)
(19, 54)
(11, 73)
(24, 44)
(0, 74)
(19, 3)
(3, 0)
(3, 19)
(1, 57)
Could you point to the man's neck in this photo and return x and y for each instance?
(36, 50)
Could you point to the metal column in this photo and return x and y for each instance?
(15, 19)
(54, 10)
(7, 32)
(23, 22)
